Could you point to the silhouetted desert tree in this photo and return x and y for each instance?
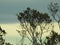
(29, 20)
(2, 33)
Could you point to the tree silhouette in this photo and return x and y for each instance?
(2, 41)
(29, 20)
(2, 32)
(54, 8)
(54, 39)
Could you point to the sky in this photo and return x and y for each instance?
(9, 9)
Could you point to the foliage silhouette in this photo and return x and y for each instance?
(54, 39)
(29, 20)
(2, 33)
(54, 8)
(2, 40)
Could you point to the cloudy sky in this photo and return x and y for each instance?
(9, 9)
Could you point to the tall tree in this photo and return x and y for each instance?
(29, 20)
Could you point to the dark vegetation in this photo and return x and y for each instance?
(2, 40)
(30, 20)
(33, 18)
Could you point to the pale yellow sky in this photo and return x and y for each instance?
(10, 28)
(12, 34)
